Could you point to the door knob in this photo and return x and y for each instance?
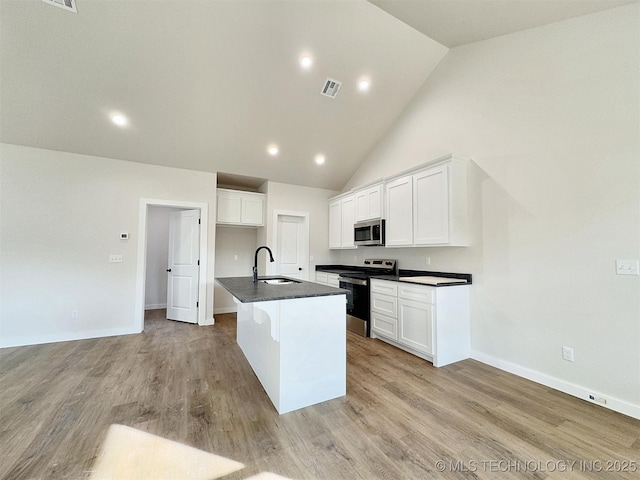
(299, 268)
(168, 269)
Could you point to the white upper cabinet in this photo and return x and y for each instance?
(429, 206)
(424, 206)
(335, 224)
(342, 216)
(236, 207)
(369, 203)
(348, 219)
(399, 221)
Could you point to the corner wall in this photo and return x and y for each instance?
(60, 219)
(550, 117)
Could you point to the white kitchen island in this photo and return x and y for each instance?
(294, 338)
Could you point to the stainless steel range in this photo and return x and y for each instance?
(356, 281)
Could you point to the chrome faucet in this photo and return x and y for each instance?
(255, 262)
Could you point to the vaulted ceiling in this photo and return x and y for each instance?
(209, 85)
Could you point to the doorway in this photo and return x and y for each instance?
(291, 240)
(143, 245)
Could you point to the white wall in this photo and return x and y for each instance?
(235, 247)
(61, 218)
(550, 117)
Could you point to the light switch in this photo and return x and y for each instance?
(628, 267)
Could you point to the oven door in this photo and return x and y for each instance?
(357, 304)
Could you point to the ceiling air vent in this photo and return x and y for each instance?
(69, 5)
(330, 88)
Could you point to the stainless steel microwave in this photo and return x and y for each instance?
(370, 232)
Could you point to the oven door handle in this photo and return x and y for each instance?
(353, 281)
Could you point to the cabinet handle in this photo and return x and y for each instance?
(168, 269)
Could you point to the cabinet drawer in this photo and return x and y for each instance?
(321, 277)
(333, 280)
(384, 304)
(417, 293)
(384, 326)
(384, 287)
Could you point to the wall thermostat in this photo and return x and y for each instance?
(124, 236)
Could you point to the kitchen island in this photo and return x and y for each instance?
(294, 337)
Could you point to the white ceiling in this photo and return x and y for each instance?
(457, 22)
(207, 85)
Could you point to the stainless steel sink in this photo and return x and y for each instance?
(279, 281)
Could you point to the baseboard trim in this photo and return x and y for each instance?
(66, 337)
(225, 310)
(155, 306)
(578, 391)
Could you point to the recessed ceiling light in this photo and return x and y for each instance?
(320, 159)
(363, 85)
(273, 150)
(119, 119)
(306, 61)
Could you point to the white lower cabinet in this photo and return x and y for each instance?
(430, 322)
(326, 278)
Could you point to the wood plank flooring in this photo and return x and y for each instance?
(401, 416)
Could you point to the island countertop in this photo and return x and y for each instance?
(246, 291)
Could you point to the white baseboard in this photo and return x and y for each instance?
(583, 393)
(155, 306)
(225, 310)
(66, 337)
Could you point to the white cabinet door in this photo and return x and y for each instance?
(399, 221)
(348, 219)
(229, 208)
(335, 224)
(252, 210)
(369, 203)
(431, 206)
(416, 325)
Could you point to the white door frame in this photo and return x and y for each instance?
(141, 266)
(289, 213)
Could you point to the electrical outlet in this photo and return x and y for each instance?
(75, 314)
(115, 258)
(601, 400)
(567, 354)
(628, 267)
(427, 261)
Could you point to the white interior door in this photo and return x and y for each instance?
(292, 246)
(183, 269)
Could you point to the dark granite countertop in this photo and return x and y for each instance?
(246, 291)
(411, 279)
(407, 277)
(335, 268)
(404, 275)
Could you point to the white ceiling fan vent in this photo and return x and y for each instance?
(69, 5)
(330, 88)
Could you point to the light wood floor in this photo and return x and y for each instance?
(400, 416)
